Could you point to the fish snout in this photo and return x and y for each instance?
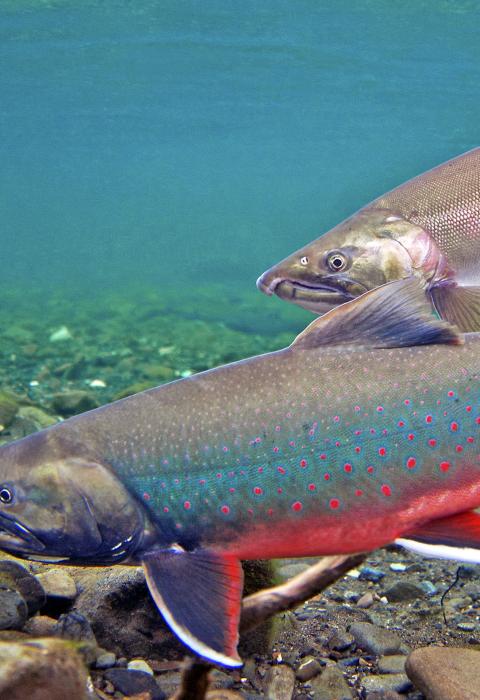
(268, 282)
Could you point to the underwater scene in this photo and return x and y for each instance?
(168, 171)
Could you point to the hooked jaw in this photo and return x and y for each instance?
(16, 538)
(315, 297)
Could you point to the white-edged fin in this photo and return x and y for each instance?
(454, 537)
(394, 315)
(440, 551)
(199, 594)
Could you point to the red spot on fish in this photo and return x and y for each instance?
(311, 487)
(270, 511)
(337, 443)
(334, 503)
(176, 481)
(202, 482)
(370, 469)
(326, 476)
(165, 509)
(250, 511)
(219, 476)
(323, 456)
(470, 439)
(280, 470)
(257, 490)
(357, 408)
(411, 462)
(260, 470)
(358, 492)
(303, 463)
(432, 442)
(358, 449)
(187, 505)
(379, 409)
(279, 490)
(275, 449)
(225, 448)
(336, 419)
(477, 420)
(453, 426)
(444, 466)
(382, 451)
(297, 506)
(468, 409)
(292, 443)
(277, 428)
(386, 490)
(450, 393)
(407, 402)
(347, 467)
(231, 489)
(225, 510)
(411, 436)
(428, 419)
(400, 424)
(459, 448)
(146, 496)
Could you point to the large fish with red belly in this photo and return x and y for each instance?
(365, 431)
(428, 227)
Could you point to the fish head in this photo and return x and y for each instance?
(59, 504)
(371, 248)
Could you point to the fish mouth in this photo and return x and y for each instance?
(293, 290)
(15, 537)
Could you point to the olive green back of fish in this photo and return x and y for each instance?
(445, 201)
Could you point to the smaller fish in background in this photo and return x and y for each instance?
(428, 227)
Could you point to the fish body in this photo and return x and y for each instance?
(351, 438)
(428, 227)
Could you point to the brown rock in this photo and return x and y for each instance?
(442, 673)
(46, 669)
(279, 683)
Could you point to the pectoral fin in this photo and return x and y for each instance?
(199, 594)
(455, 537)
(459, 305)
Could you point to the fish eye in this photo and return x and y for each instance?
(6, 494)
(336, 261)
(304, 260)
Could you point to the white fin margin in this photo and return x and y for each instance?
(441, 551)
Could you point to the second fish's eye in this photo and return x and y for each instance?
(336, 261)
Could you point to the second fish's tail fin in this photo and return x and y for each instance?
(458, 305)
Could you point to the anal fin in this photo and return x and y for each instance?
(199, 594)
(454, 537)
(459, 305)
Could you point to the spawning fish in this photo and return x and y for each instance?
(365, 431)
(428, 227)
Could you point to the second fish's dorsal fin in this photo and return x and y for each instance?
(394, 315)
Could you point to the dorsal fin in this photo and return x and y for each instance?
(394, 315)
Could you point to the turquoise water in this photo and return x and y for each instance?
(176, 145)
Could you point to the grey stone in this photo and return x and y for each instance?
(308, 668)
(17, 577)
(105, 660)
(13, 610)
(44, 668)
(392, 664)
(57, 583)
(443, 673)
(398, 682)
(134, 682)
(330, 684)
(340, 640)
(375, 640)
(279, 683)
(74, 626)
(69, 403)
(403, 591)
(41, 626)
